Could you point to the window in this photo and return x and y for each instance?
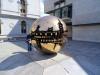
(61, 10)
(23, 26)
(58, 13)
(70, 11)
(59, 3)
(64, 12)
(0, 26)
(22, 10)
(22, 2)
(67, 11)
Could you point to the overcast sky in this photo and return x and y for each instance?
(42, 7)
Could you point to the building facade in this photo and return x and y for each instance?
(61, 9)
(17, 16)
(84, 15)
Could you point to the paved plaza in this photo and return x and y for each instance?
(76, 58)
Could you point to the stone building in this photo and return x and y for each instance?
(17, 16)
(84, 17)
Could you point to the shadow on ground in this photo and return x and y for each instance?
(21, 59)
(86, 54)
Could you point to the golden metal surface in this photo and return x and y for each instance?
(44, 30)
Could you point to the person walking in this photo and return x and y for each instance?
(29, 43)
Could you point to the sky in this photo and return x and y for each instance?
(42, 8)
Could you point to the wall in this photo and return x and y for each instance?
(11, 26)
(12, 7)
(69, 31)
(87, 33)
(86, 11)
(49, 4)
(85, 20)
(11, 19)
(0, 6)
(69, 2)
(33, 8)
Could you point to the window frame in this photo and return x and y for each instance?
(70, 12)
(22, 2)
(0, 27)
(61, 8)
(57, 13)
(63, 16)
(23, 27)
(23, 9)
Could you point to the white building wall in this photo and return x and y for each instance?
(49, 5)
(11, 19)
(86, 11)
(12, 26)
(10, 7)
(87, 33)
(86, 20)
(69, 2)
(0, 6)
(33, 8)
(29, 25)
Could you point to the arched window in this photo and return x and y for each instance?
(23, 26)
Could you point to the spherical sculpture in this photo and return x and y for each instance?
(48, 34)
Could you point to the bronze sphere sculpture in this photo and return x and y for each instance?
(48, 34)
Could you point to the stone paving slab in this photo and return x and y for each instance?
(72, 67)
(74, 59)
(46, 60)
(89, 67)
(14, 62)
(55, 70)
(86, 54)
